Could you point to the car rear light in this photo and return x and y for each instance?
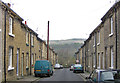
(48, 70)
(34, 70)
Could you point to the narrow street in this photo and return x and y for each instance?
(63, 75)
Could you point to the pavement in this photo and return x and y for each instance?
(84, 75)
(30, 78)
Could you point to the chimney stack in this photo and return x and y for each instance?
(9, 5)
(26, 22)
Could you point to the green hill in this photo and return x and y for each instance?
(66, 49)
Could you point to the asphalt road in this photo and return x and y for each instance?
(63, 75)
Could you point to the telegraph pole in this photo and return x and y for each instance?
(48, 43)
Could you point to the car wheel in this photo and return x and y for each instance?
(74, 71)
(40, 76)
(35, 75)
(52, 73)
(82, 71)
(48, 75)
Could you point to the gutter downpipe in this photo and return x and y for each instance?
(116, 33)
(5, 47)
(95, 50)
(30, 55)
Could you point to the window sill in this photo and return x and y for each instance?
(12, 35)
(111, 67)
(27, 68)
(27, 44)
(10, 68)
(110, 34)
(98, 44)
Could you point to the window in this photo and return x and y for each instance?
(11, 26)
(102, 60)
(99, 60)
(35, 57)
(112, 57)
(32, 59)
(27, 38)
(94, 60)
(111, 26)
(94, 41)
(10, 66)
(27, 60)
(32, 40)
(106, 58)
(98, 38)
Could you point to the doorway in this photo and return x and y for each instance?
(17, 71)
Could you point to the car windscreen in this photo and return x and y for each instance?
(77, 66)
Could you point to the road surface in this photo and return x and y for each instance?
(63, 75)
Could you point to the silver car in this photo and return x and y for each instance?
(100, 75)
(57, 66)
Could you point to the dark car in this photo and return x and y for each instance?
(78, 68)
(102, 76)
(43, 67)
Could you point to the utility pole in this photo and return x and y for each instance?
(48, 43)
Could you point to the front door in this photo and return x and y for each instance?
(22, 63)
(17, 72)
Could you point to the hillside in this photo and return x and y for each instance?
(68, 41)
(66, 49)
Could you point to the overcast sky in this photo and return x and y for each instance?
(68, 18)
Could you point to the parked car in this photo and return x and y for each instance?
(43, 67)
(61, 66)
(71, 67)
(78, 68)
(100, 75)
(57, 66)
(116, 74)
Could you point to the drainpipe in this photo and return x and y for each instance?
(41, 50)
(116, 34)
(96, 50)
(5, 46)
(30, 55)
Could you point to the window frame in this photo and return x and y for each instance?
(98, 38)
(27, 60)
(111, 26)
(112, 58)
(32, 39)
(11, 27)
(99, 60)
(10, 59)
(27, 38)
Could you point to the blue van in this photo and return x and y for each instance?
(43, 67)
